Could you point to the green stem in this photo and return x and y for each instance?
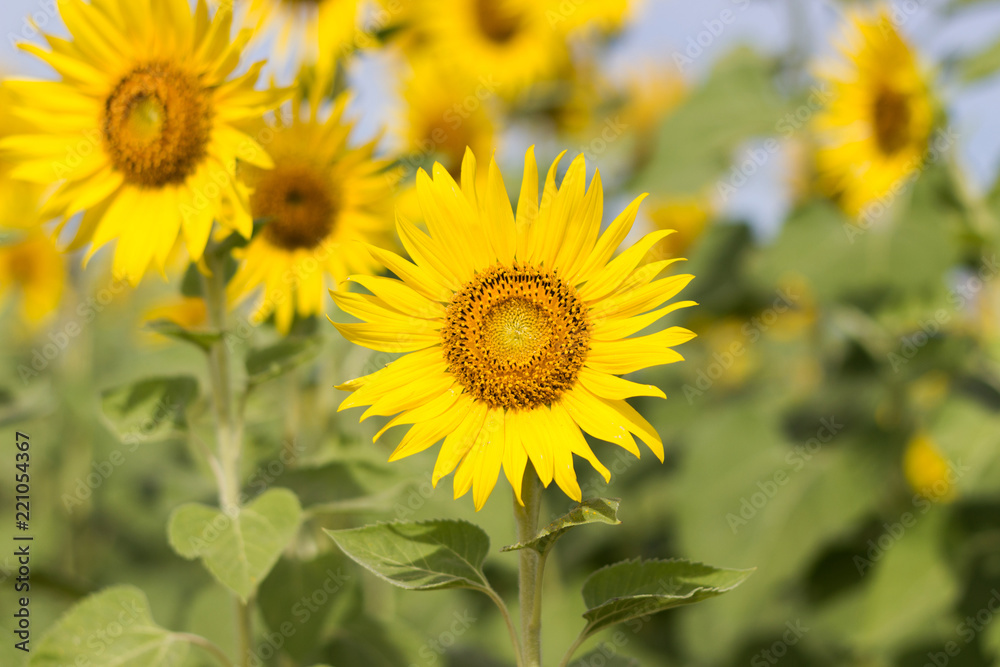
(531, 568)
(582, 637)
(228, 427)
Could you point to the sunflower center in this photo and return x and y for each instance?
(22, 265)
(157, 125)
(497, 20)
(892, 120)
(449, 143)
(299, 203)
(516, 337)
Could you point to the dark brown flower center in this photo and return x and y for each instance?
(157, 125)
(298, 203)
(516, 337)
(892, 117)
(497, 20)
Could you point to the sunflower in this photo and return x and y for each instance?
(319, 200)
(302, 31)
(139, 133)
(604, 15)
(927, 470)
(444, 117)
(516, 329)
(33, 267)
(687, 215)
(873, 135)
(510, 40)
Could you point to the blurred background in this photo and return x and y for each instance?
(835, 424)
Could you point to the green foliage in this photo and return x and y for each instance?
(633, 589)
(696, 141)
(419, 556)
(113, 628)
(591, 510)
(267, 363)
(203, 340)
(240, 546)
(151, 409)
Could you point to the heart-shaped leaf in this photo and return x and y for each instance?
(240, 548)
(592, 510)
(420, 556)
(636, 588)
(113, 627)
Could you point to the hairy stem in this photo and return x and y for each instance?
(531, 567)
(228, 428)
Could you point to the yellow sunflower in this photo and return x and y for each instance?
(301, 31)
(443, 117)
(504, 45)
(927, 470)
(321, 198)
(604, 15)
(874, 133)
(140, 133)
(32, 267)
(516, 329)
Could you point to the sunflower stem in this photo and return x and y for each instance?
(531, 568)
(228, 428)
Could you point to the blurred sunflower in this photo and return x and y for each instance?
(30, 263)
(687, 215)
(321, 197)
(32, 266)
(927, 470)
(517, 328)
(511, 41)
(443, 117)
(303, 31)
(874, 133)
(140, 131)
(604, 15)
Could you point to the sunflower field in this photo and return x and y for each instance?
(500, 333)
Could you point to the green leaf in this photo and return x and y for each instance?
(113, 628)
(602, 657)
(201, 339)
(267, 363)
(697, 140)
(151, 409)
(592, 510)
(636, 588)
(982, 64)
(302, 594)
(238, 550)
(419, 556)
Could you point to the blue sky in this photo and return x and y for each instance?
(663, 27)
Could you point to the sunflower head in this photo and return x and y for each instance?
(874, 132)
(516, 327)
(927, 470)
(321, 198)
(140, 133)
